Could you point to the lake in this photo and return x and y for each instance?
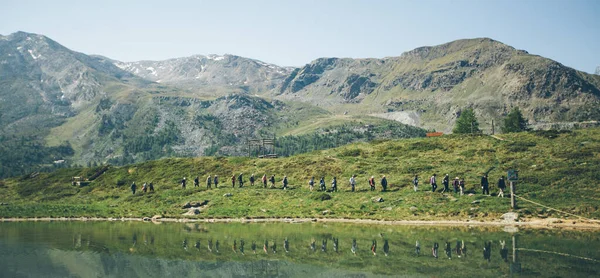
(145, 249)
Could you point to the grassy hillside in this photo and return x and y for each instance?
(558, 169)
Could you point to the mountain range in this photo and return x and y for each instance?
(58, 104)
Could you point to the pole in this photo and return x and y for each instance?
(493, 127)
(513, 202)
(514, 247)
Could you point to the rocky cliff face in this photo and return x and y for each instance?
(199, 71)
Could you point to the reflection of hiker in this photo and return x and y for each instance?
(196, 182)
(416, 182)
(216, 181)
(386, 248)
(417, 248)
(487, 251)
(151, 187)
(311, 183)
(384, 183)
(285, 183)
(322, 184)
(324, 246)
(272, 180)
(434, 250)
(433, 183)
(240, 180)
(485, 185)
(286, 245)
(353, 182)
(133, 187)
(252, 180)
(448, 251)
(374, 247)
(503, 250)
(455, 184)
(253, 247)
(334, 184)
(446, 182)
(264, 180)
(266, 246)
(183, 183)
(372, 183)
(208, 182)
(501, 186)
(233, 181)
(354, 246)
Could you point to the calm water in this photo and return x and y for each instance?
(111, 249)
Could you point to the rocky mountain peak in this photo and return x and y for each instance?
(598, 70)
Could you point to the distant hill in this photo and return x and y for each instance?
(429, 86)
(201, 72)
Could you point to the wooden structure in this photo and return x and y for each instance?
(79, 181)
(434, 134)
(262, 148)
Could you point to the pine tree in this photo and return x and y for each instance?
(466, 123)
(514, 121)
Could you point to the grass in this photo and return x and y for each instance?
(558, 169)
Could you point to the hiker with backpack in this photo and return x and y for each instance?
(311, 183)
(501, 186)
(264, 180)
(208, 182)
(485, 185)
(353, 182)
(446, 182)
(334, 185)
(133, 187)
(252, 180)
(372, 183)
(433, 183)
(240, 181)
(216, 181)
(272, 180)
(384, 183)
(416, 182)
(285, 182)
(322, 184)
(183, 183)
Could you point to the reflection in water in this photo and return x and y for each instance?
(109, 248)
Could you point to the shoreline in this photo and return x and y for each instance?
(536, 223)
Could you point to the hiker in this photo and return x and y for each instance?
(272, 180)
(372, 183)
(485, 185)
(264, 180)
(416, 182)
(241, 180)
(233, 181)
(285, 183)
(151, 187)
(461, 185)
(433, 183)
(311, 183)
(133, 187)
(216, 181)
(196, 182)
(322, 184)
(252, 180)
(501, 186)
(455, 184)
(208, 182)
(446, 182)
(353, 182)
(144, 187)
(384, 183)
(183, 183)
(334, 185)
(434, 250)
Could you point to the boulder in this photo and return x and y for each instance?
(377, 199)
(476, 202)
(158, 216)
(146, 219)
(192, 211)
(187, 205)
(325, 212)
(510, 217)
(388, 208)
(413, 208)
(322, 197)
(227, 195)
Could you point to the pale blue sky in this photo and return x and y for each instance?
(293, 33)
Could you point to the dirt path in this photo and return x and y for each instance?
(526, 223)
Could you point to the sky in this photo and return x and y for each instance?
(293, 33)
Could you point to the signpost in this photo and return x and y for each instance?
(513, 176)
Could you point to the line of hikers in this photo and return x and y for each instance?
(458, 184)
